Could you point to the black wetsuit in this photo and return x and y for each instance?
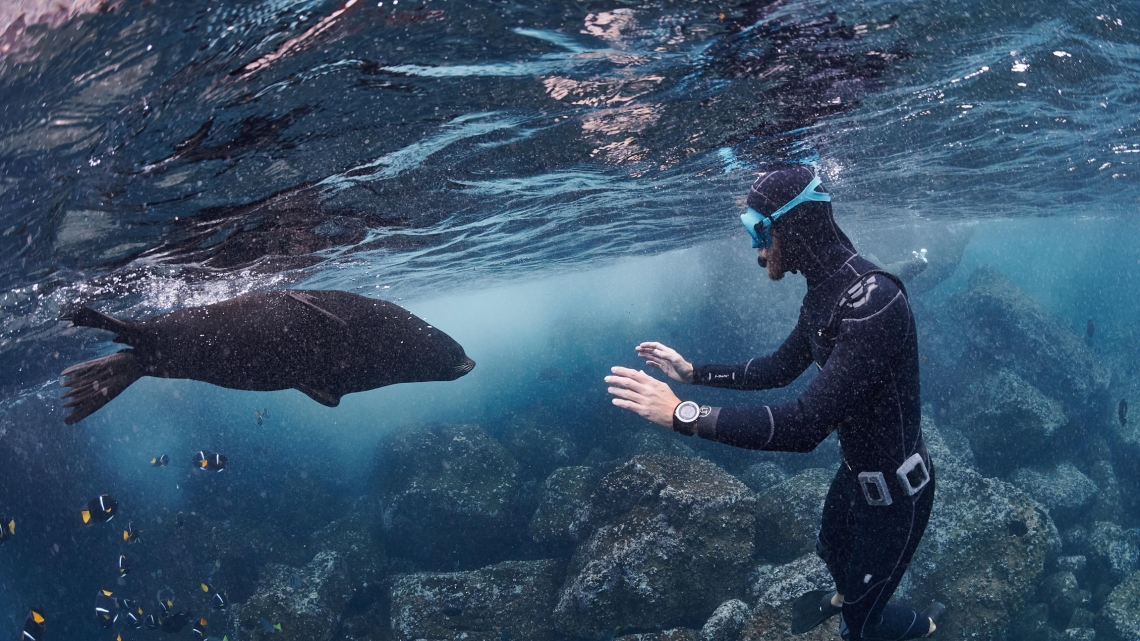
(858, 329)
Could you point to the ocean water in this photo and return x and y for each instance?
(549, 183)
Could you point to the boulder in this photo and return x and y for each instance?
(985, 549)
(563, 499)
(541, 448)
(1032, 624)
(1108, 505)
(510, 600)
(665, 541)
(1011, 330)
(307, 602)
(1080, 634)
(1064, 491)
(654, 441)
(1061, 593)
(726, 621)
(788, 515)
(1007, 420)
(676, 634)
(1119, 619)
(447, 495)
(762, 477)
(1113, 550)
(775, 587)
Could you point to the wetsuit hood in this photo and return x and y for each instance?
(810, 240)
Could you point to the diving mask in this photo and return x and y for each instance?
(759, 226)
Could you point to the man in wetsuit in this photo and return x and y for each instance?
(855, 324)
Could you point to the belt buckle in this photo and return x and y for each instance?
(874, 486)
(913, 466)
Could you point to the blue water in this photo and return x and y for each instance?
(548, 182)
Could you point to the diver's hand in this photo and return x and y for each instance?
(667, 360)
(639, 392)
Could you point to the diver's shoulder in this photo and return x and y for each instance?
(872, 293)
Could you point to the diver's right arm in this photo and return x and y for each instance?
(766, 372)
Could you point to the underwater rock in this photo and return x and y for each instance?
(1108, 501)
(1063, 596)
(307, 602)
(1113, 550)
(359, 544)
(1007, 420)
(1079, 634)
(1119, 619)
(676, 634)
(726, 621)
(777, 585)
(541, 449)
(985, 549)
(510, 600)
(1064, 491)
(1032, 624)
(1008, 328)
(564, 497)
(775, 588)
(447, 494)
(762, 477)
(669, 539)
(789, 515)
(654, 441)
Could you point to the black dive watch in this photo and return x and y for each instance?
(685, 418)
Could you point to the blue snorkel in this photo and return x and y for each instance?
(759, 226)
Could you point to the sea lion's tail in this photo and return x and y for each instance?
(94, 383)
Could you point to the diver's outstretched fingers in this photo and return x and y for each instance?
(625, 393)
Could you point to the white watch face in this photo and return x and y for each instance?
(688, 411)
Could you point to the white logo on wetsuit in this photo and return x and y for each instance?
(860, 293)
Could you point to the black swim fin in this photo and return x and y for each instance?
(811, 609)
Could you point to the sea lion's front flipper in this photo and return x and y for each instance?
(311, 302)
(328, 399)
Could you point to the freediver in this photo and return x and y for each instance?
(855, 323)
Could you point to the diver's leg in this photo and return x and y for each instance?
(885, 539)
(836, 530)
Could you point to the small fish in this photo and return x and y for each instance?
(175, 622)
(34, 626)
(179, 520)
(221, 600)
(295, 580)
(1122, 412)
(7, 529)
(106, 608)
(160, 461)
(210, 461)
(199, 629)
(151, 622)
(1090, 328)
(266, 625)
(132, 619)
(130, 535)
(100, 509)
(165, 606)
(124, 565)
(257, 416)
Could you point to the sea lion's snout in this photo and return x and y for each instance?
(466, 366)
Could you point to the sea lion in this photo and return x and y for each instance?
(323, 343)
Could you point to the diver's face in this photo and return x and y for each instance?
(770, 259)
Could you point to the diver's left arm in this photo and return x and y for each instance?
(868, 342)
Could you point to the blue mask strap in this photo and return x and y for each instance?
(751, 218)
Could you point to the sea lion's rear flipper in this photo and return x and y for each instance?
(310, 302)
(94, 383)
(328, 399)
